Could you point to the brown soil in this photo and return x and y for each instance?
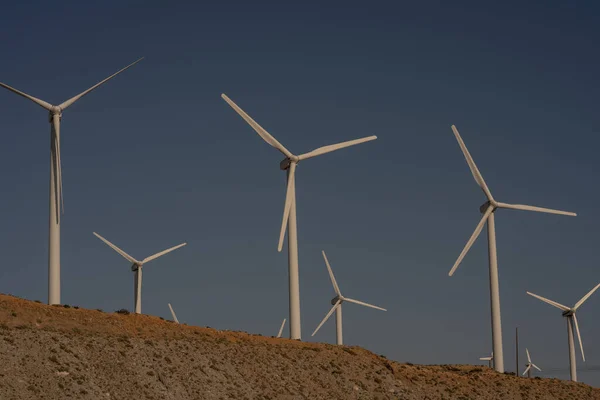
(51, 352)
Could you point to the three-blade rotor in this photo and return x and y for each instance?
(339, 299)
(491, 205)
(291, 160)
(133, 260)
(570, 312)
(530, 364)
(55, 116)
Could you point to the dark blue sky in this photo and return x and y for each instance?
(156, 157)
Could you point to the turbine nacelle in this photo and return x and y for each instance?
(568, 313)
(336, 299)
(55, 110)
(483, 208)
(135, 267)
(285, 164)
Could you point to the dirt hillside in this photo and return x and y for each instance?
(52, 352)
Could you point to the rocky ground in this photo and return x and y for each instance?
(54, 352)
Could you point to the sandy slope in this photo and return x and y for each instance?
(60, 353)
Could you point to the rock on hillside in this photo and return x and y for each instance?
(53, 352)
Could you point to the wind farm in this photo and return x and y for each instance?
(343, 271)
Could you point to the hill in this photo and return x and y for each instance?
(54, 352)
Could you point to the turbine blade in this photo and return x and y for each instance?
(333, 281)
(538, 209)
(528, 367)
(536, 367)
(587, 296)
(528, 358)
(58, 175)
(281, 329)
(162, 253)
(334, 147)
(72, 100)
(289, 196)
(472, 239)
(579, 336)
(173, 314)
(485, 358)
(37, 101)
(259, 129)
(363, 304)
(472, 166)
(335, 306)
(118, 250)
(552, 303)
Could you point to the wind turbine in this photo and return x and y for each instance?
(529, 365)
(569, 313)
(337, 306)
(137, 268)
(488, 209)
(56, 196)
(489, 359)
(289, 163)
(172, 313)
(281, 329)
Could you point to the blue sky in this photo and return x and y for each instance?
(156, 157)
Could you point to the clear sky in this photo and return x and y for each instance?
(156, 157)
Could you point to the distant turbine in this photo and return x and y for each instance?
(569, 313)
(488, 209)
(172, 313)
(137, 268)
(529, 365)
(281, 329)
(289, 163)
(56, 196)
(337, 305)
(489, 359)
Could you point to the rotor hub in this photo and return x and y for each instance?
(286, 162)
(56, 110)
(135, 267)
(488, 203)
(336, 299)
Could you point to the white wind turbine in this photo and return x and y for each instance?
(56, 196)
(337, 306)
(488, 209)
(137, 268)
(172, 313)
(529, 365)
(489, 359)
(281, 329)
(289, 212)
(569, 313)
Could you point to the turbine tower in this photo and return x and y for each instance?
(137, 268)
(337, 306)
(569, 313)
(281, 329)
(289, 164)
(56, 195)
(172, 313)
(489, 359)
(488, 209)
(529, 365)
